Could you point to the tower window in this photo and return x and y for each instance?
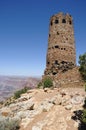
(64, 62)
(70, 22)
(63, 21)
(51, 23)
(48, 62)
(54, 73)
(56, 21)
(56, 46)
(56, 62)
(64, 48)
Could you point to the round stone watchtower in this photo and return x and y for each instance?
(61, 54)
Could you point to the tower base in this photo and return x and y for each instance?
(70, 78)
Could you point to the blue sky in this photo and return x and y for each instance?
(24, 27)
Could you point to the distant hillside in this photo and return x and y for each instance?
(9, 84)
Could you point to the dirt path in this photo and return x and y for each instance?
(57, 118)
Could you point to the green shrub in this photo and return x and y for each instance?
(82, 62)
(18, 93)
(9, 123)
(84, 116)
(84, 106)
(47, 83)
(39, 85)
(85, 99)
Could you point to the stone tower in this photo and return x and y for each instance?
(61, 54)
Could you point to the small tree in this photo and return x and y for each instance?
(47, 83)
(82, 62)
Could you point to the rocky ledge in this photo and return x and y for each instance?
(49, 109)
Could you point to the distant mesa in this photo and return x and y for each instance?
(10, 84)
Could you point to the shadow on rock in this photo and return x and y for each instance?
(78, 117)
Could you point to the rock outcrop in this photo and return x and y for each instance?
(46, 110)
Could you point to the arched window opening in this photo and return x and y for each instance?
(63, 21)
(56, 21)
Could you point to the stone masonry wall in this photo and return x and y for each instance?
(70, 78)
(61, 54)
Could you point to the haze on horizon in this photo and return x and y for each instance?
(24, 27)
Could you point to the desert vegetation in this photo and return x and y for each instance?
(82, 62)
(46, 83)
(18, 93)
(7, 123)
(81, 114)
